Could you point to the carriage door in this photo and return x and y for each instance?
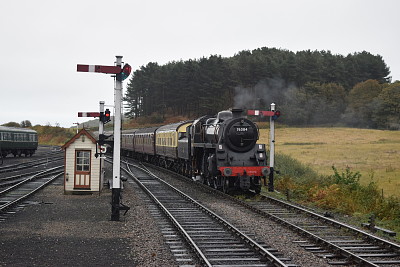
(82, 169)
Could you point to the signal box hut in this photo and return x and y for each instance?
(81, 167)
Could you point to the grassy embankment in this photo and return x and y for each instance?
(374, 153)
(55, 136)
(366, 179)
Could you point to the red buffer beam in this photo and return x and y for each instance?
(99, 69)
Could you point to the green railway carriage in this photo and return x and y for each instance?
(17, 141)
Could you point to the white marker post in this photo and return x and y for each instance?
(271, 150)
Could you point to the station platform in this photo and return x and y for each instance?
(75, 230)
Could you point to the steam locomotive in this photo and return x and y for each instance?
(220, 151)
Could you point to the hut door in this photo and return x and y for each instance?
(82, 169)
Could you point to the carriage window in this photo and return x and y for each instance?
(32, 138)
(6, 137)
(19, 137)
(83, 161)
(182, 135)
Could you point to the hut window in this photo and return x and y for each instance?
(82, 161)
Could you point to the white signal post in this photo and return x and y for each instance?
(101, 131)
(77, 126)
(271, 150)
(121, 74)
(273, 115)
(116, 181)
(101, 124)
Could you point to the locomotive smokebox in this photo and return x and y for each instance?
(237, 112)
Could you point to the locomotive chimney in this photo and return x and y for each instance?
(237, 112)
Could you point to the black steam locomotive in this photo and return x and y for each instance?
(220, 151)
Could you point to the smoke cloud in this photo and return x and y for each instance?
(262, 94)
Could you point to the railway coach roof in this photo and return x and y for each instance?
(172, 127)
(129, 131)
(147, 130)
(15, 129)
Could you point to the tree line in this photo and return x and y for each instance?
(309, 87)
(23, 124)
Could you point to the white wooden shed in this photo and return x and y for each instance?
(82, 170)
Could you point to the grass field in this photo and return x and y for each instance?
(374, 153)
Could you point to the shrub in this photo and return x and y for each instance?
(340, 192)
(349, 178)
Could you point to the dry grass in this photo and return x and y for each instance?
(372, 152)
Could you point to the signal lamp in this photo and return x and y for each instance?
(107, 116)
(276, 115)
(126, 71)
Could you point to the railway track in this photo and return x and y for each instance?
(15, 192)
(26, 165)
(9, 181)
(214, 240)
(338, 243)
(328, 238)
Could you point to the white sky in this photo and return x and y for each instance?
(42, 41)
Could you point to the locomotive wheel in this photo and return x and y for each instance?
(218, 183)
(211, 182)
(214, 183)
(225, 185)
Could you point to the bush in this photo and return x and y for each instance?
(296, 177)
(340, 192)
(348, 178)
(56, 136)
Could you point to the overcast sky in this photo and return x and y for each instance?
(42, 41)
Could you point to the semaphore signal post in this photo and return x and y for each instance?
(273, 115)
(121, 74)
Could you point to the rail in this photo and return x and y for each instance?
(266, 256)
